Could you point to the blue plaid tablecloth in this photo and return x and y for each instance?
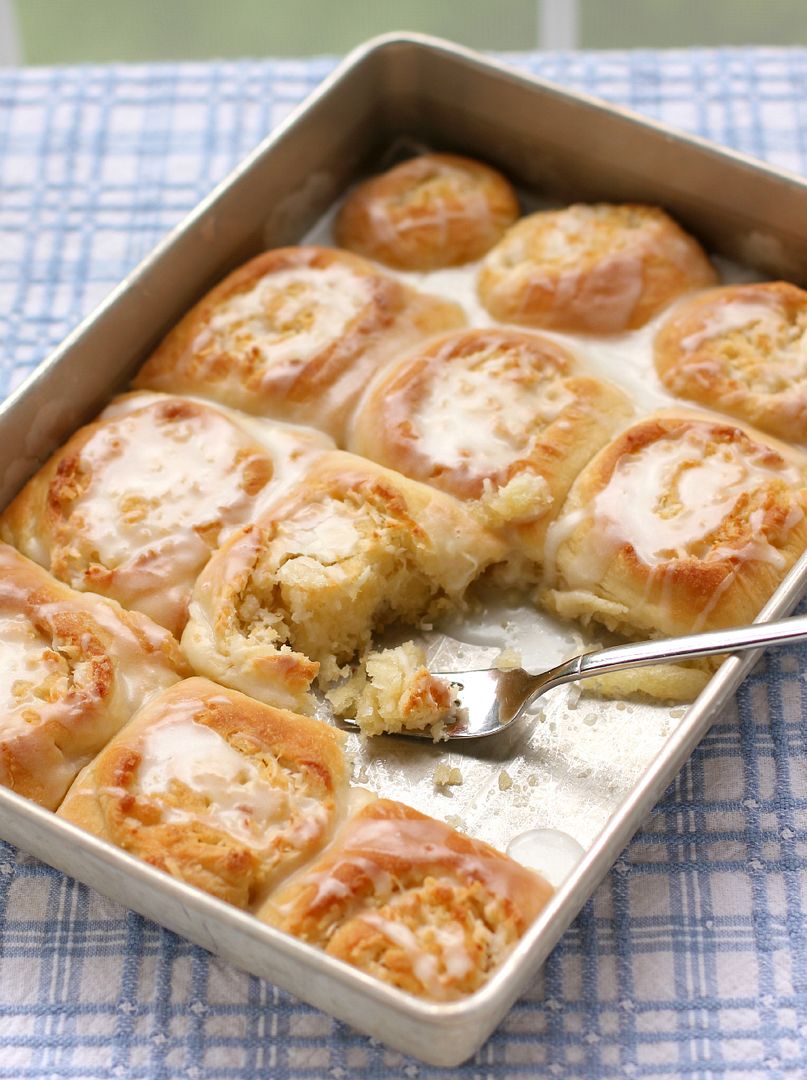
(691, 959)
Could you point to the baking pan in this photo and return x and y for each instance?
(551, 142)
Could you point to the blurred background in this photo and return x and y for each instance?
(80, 31)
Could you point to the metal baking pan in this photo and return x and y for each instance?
(555, 143)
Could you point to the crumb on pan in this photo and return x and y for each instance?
(394, 691)
(505, 780)
(447, 775)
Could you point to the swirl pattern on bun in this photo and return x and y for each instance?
(218, 790)
(685, 522)
(133, 505)
(431, 211)
(741, 349)
(75, 667)
(598, 269)
(412, 902)
(295, 334)
(498, 415)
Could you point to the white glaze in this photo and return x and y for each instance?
(483, 408)
(391, 228)
(624, 359)
(153, 481)
(425, 964)
(26, 662)
(242, 801)
(292, 447)
(724, 318)
(325, 531)
(291, 315)
(700, 487)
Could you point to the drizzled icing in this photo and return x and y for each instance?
(46, 676)
(670, 497)
(35, 676)
(771, 357)
(152, 479)
(727, 316)
(558, 255)
(484, 407)
(426, 842)
(463, 202)
(326, 531)
(289, 316)
(425, 961)
(73, 669)
(241, 799)
(451, 904)
(291, 447)
(431, 210)
(676, 493)
(594, 268)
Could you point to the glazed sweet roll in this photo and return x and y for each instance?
(133, 504)
(74, 668)
(500, 416)
(218, 790)
(597, 269)
(353, 548)
(412, 902)
(295, 334)
(684, 523)
(741, 349)
(431, 211)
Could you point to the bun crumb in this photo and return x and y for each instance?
(447, 775)
(394, 691)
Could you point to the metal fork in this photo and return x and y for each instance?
(492, 700)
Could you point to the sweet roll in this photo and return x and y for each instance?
(295, 334)
(685, 522)
(431, 211)
(499, 416)
(741, 349)
(75, 667)
(598, 269)
(351, 549)
(412, 902)
(218, 790)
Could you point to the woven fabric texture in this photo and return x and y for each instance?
(691, 959)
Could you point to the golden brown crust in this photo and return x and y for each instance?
(412, 902)
(431, 211)
(741, 349)
(218, 790)
(349, 549)
(498, 415)
(597, 269)
(294, 334)
(133, 505)
(74, 668)
(684, 522)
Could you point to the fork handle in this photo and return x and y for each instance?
(680, 648)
